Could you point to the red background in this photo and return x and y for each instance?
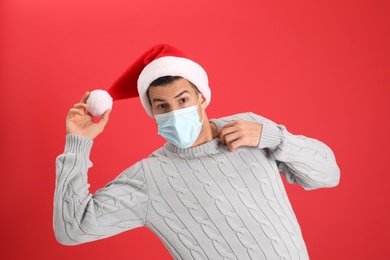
(321, 68)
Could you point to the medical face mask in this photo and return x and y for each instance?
(180, 127)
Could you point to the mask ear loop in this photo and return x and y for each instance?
(202, 110)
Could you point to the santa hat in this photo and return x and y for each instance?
(159, 61)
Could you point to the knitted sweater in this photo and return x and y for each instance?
(204, 202)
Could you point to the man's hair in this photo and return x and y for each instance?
(166, 80)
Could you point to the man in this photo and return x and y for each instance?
(213, 191)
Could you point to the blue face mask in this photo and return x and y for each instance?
(180, 127)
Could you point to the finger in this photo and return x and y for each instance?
(235, 139)
(224, 132)
(239, 124)
(85, 97)
(104, 120)
(231, 137)
(234, 145)
(231, 147)
(75, 111)
(231, 127)
(231, 134)
(81, 106)
(224, 136)
(106, 115)
(221, 137)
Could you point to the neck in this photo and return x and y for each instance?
(209, 132)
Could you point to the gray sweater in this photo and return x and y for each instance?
(203, 202)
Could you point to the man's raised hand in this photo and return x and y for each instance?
(80, 122)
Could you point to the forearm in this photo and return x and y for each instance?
(71, 197)
(306, 161)
(303, 160)
(82, 217)
(75, 217)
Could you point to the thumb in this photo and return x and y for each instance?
(104, 120)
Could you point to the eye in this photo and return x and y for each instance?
(183, 100)
(161, 106)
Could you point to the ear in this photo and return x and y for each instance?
(203, 103)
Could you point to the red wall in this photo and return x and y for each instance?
(321, 68)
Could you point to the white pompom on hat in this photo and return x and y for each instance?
(99, 101)
(159, 61)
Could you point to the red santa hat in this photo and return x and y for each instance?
(159, 61)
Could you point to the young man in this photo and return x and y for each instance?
(213, 191)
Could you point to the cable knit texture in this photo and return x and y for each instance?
(203, 202)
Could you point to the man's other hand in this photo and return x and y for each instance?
(240, 133)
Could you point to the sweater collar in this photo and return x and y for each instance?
(212, 145)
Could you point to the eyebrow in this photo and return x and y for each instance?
(177, 96)
(181, 93)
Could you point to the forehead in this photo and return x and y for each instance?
(171, 90)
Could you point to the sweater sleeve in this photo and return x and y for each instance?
(80, 216)
(302, 160)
